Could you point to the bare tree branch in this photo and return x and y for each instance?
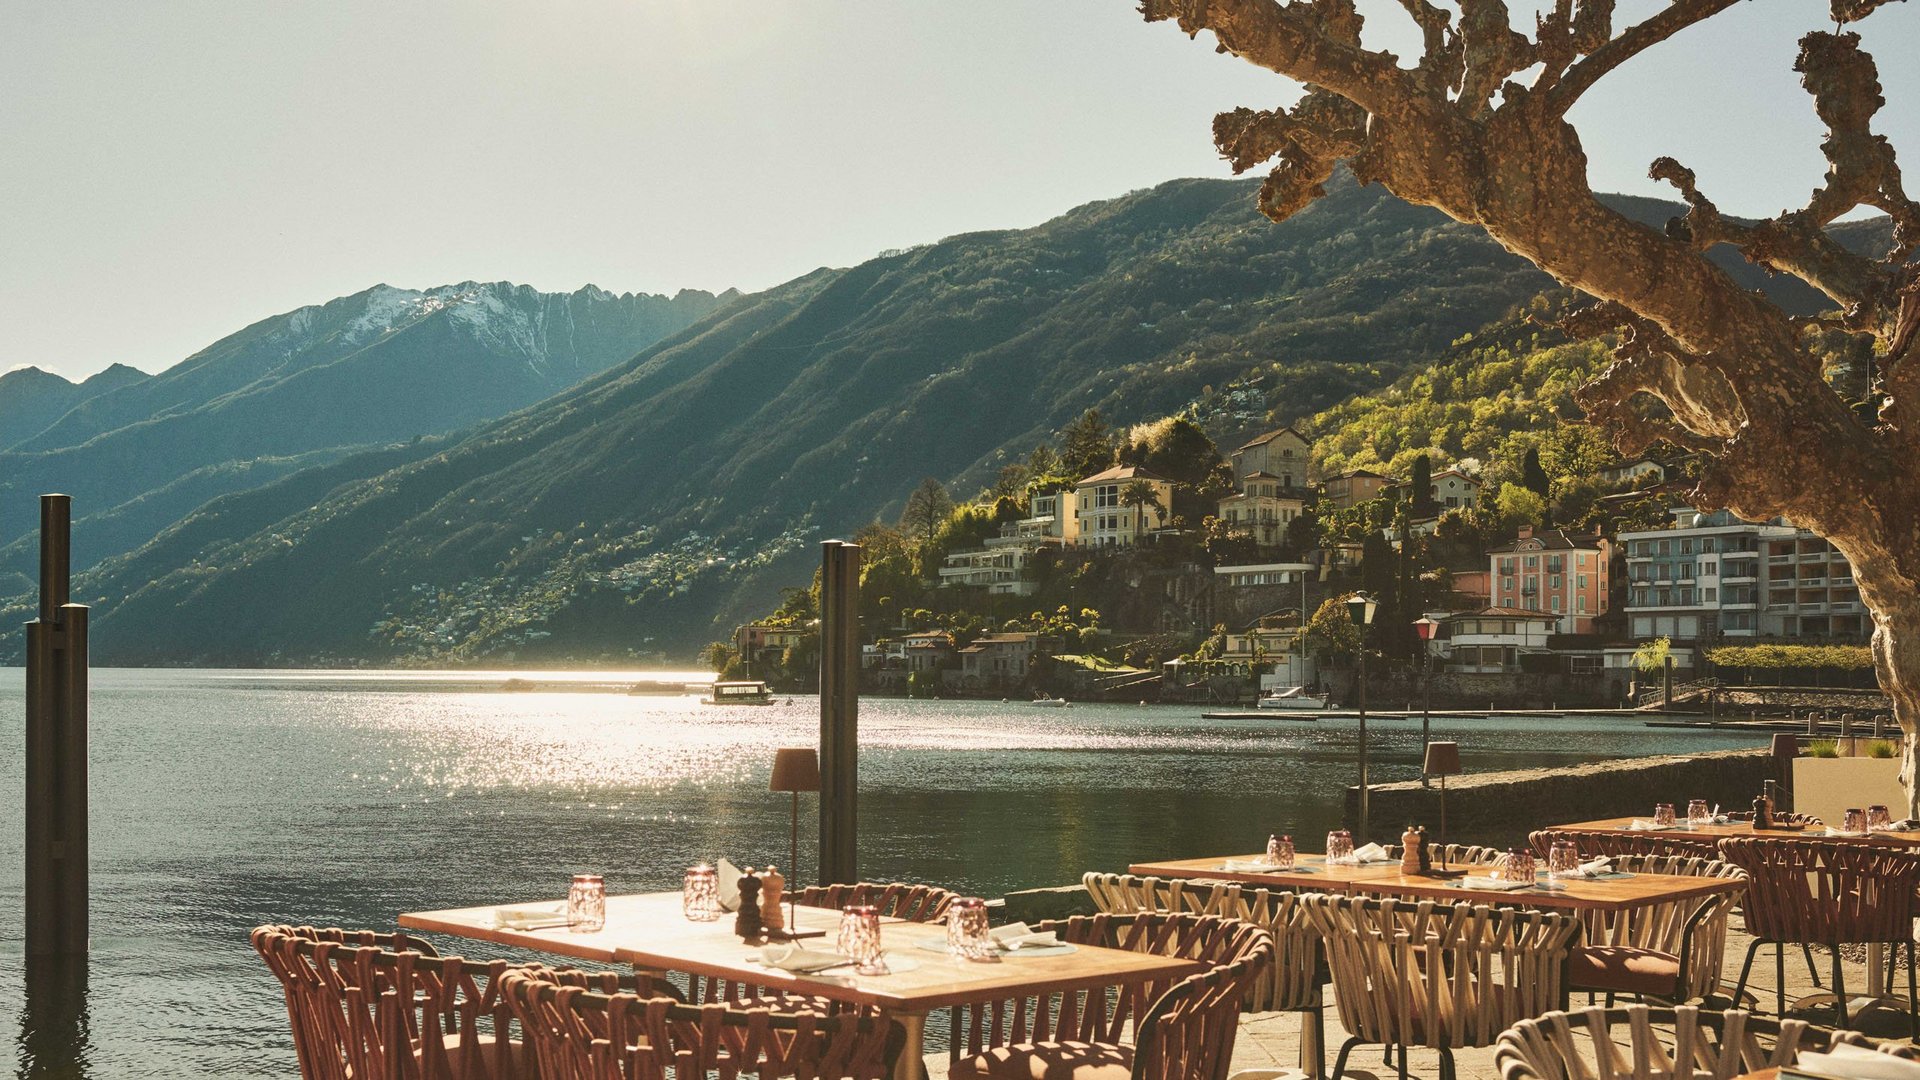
(1637, 39)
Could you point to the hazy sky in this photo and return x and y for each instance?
(171, 170)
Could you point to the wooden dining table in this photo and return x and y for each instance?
(648, 932)
(1745, 828)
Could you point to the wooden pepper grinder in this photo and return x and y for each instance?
(747, 924)
(1410, 843)
(772, 884)
(1426, 856)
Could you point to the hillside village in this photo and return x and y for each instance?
(1149, 565)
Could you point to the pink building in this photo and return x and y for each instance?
(1548, 571)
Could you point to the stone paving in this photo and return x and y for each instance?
(1270, 1042)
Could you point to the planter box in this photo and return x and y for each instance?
(1826, 787)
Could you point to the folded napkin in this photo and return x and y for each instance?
(1371, 853)
(529, 916)
(726, 880)
(1831, 831)
(1859, 1063)
(801, 961)
(1645, 825)
(1594, 868)
(1491, 883)
(1016, 936)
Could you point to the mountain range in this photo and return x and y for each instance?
(137, 451)
(639, 511)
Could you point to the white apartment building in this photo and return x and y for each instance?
(1713, 575)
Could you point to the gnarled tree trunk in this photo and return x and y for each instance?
(1701, 363)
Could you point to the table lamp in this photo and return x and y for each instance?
(795, 769)
(1443, 760)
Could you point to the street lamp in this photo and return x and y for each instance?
(1426, 628)
(1360, 608)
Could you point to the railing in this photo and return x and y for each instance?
(1680, 690)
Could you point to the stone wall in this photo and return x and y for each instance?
(1502, 807)
(1476, 690)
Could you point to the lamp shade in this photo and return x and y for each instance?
(795, 768)
(1443, 759)
(1360, 609)
(1425, 627)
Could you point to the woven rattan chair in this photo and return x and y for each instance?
(1821, 892)
(1297, 974)
(1164, 1029)
(579, 1034)
(1671, 951)
(1611, 842)
(913, 903)
(1444, 976)
(375, 1005)
(1627, 1043)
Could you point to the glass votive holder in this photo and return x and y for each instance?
(1563, 860)
(700, 894)
(1699, 813)
(1340, 848)
(859, 939)
(1878, 819)
(967, 929)
(1519, 867)
(1280, 852)
(587, 904)
(1854, 821)
(1663, 814)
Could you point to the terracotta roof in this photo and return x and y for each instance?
(1551, 540)
(1350, 474)
(1005, 639)
(1122, 472)
(1272, 435)
(1509, 613)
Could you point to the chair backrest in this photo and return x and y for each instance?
(1189, 1032)
(1293, 982)
(1905, 1051)
(1610, 842)
(579, 1034)
(896, 900)
(360, 1003)
(1100, 1015)
(1825, 892)
(1442, 975)
(1588, 1043)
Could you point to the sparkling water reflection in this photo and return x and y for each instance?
(225, 799)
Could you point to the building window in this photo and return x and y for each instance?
(1555, 603)
(1580, 604)
(1709, 595)
(1581, 579)
(1556, 581)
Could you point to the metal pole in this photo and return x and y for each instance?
(56, 751)
(1362, 696)
(839, 712)
(1426, 705)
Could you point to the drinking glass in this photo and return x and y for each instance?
(1519, 867)
(1855, 820)
(1563, 860)
(1663, 814)
(1878, 819)
(700, 894)
(1698, 813)
(1280, 852)
(967, 929)
(587, 904)
(859, 939)
(1340, 848)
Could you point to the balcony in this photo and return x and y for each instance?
(1815, 582)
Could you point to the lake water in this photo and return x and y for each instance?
(224, 799)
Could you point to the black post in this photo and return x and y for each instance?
(1362, 696)
(1426, 706)
(56, 752)
(839, 711)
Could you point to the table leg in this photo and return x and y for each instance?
(912, 1064)
(1876, 969)
(1312, 1054)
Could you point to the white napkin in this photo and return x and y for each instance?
(1595, 868)
(1491, 883)
(1371, 853)
(726, 880)
(528, 916)
(1015, 936)
(1643, 825)
(801, 961)
(1831, 831)
(1247, 866)
(1859, 1063)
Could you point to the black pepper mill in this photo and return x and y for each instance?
(748, 924)
(1762, 813)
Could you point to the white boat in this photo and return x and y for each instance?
(1291, 697)
(1046, 702)
(738, 693)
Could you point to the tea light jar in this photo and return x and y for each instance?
(859, 939)
(700, 894)
(967, 929)
(587, 904)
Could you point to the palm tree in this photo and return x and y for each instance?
(1141, 494)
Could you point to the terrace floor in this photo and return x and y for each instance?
(1271, 1041)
